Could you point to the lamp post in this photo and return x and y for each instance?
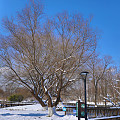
(84, 76)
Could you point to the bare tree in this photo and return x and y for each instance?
(97, 69)
(113, 84)
(45, 56)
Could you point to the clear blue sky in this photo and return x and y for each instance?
(106, 17)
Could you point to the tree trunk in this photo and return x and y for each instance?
(95, 95)
(58, 98)
(50, 111)
(50, 106)
(40, 100)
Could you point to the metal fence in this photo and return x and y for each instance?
(10, 104)
(94, 112)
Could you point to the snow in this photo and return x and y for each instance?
(35, 112)
(103, 118)
(31, 112)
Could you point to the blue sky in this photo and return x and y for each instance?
(106, 17)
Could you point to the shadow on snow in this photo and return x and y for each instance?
(58, 115)
(30, 114)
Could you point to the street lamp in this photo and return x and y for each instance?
(84, 76)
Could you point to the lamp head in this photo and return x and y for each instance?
(84, 74)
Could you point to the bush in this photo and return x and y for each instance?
(16, 98)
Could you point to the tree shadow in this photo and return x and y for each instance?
(59, 115)
(30, 114)
(33, 114)
(7, 114)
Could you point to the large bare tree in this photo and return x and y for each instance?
(45, 55)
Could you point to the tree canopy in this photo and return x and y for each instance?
(46, 55)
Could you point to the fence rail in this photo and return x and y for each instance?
(102, 112)
(11, 104)
(94, 112)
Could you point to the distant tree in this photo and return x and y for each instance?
(24, 92)
(97, 67)
(1, 93)
(45, 56)
(106, 85)
(16, 98)
(113, 83)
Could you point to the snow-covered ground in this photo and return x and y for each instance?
(34, 112)
(31, 112)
